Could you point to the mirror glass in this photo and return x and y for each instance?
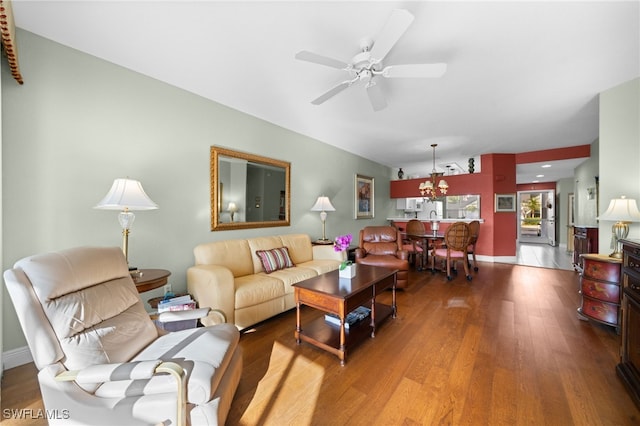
(248, 191)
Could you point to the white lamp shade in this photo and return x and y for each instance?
(232, 207)
(622, 210)
(126, 194)
(323, 205)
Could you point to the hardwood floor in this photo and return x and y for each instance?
(506, 348)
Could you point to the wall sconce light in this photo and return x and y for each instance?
(622, 211)
(323, 205)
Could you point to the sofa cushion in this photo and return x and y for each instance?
(299, 245)
(232, 254)
(275, 259)
(321, 266)
(291, 276)
(254, 289)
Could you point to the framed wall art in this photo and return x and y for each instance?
(505, 203)
(364, 197)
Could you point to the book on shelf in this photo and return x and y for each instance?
(353, 317)
(180, 303)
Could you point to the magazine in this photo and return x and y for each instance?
(180, 303)
(353, 317)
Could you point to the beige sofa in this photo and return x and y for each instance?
(229, 276)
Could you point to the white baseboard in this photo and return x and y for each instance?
(16, 357)
(496, 259)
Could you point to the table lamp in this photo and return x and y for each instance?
(622, 211)
(126, 195)
(323, 205)
(233, 208)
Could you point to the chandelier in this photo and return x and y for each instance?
(428, 188)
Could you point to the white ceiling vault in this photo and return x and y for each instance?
(521, 76)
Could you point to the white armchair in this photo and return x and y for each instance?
(101, 360)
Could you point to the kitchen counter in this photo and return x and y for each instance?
(407, 219)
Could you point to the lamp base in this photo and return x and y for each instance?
(323, 241)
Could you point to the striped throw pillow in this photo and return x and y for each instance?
(275, 259)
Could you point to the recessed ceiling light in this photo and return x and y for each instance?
(546, 166)
(539, 175)
(535, 181)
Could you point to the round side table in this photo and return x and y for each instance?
(149, 279)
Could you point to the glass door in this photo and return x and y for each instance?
(537, 217)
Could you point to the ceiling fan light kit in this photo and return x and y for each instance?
(367, 65)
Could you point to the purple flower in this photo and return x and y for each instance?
(342, 242)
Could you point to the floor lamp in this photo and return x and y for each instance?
(323, 205)
(622, 211)
(126, 195)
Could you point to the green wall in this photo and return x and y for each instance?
(80, 122)
(620, 152)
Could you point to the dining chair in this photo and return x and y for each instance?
(414, 246)
(456, 240)
(474, 229)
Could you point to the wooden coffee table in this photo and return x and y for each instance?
(339, 296)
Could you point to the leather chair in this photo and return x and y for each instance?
(456, 243)
(101, 359)
(474, 229)
(382, 246)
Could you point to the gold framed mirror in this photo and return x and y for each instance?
(248, 190)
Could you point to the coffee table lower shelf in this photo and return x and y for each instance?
(326, 335)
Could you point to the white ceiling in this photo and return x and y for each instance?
(521, 76)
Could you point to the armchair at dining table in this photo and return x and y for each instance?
(474, 229)
(456, 243)
(382, 246)
(415, 245)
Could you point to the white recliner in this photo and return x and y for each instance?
(101, 359)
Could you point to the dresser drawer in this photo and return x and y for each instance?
(600, 270)
(601, 311)
(632, 258)
(600, 290)
(633, 283)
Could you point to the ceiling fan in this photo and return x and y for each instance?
(367, 65)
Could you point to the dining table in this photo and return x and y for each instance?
(426, 240)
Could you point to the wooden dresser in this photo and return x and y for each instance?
(629, 367)
(600, 291)
(585, 240)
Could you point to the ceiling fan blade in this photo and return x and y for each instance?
(332, 92)
(396, 25)
(305, 55)
(376, 97)
(415, 71)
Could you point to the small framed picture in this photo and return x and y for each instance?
(364, 197)
(505, 203)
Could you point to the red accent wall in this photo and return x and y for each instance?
(540, 186)
(580, 151)
(497, 176)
